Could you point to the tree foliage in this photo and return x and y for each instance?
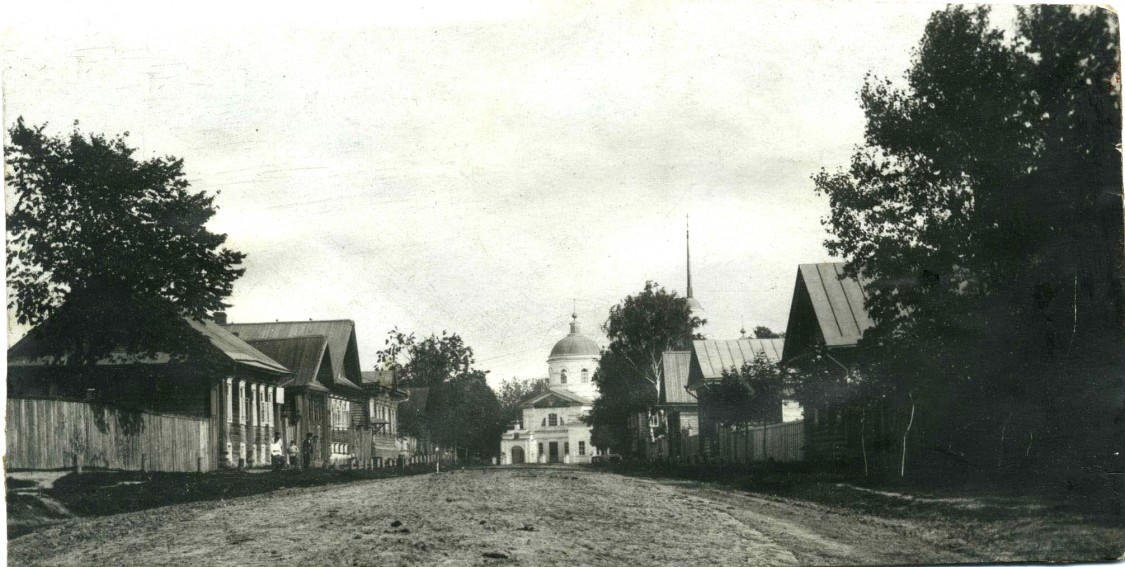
(984, 212)
(108, 250)
(514, 392)
(751, 395)
(461, 412)
(640, 329)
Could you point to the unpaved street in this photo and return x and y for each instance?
(529, 516)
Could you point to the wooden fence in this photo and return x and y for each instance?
(780, 442)
(47, 434)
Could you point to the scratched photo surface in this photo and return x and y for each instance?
(558, 283)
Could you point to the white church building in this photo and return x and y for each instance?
(551, 430)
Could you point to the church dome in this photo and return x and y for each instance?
(576, 344)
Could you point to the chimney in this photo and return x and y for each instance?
(220, 318)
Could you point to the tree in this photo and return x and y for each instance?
(514, 392)
(763, 332)
(461, 412)
(748, 395)
(984, 210)
(107, 251)
(640, 329)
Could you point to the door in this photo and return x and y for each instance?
(517, 455)
(553, 452)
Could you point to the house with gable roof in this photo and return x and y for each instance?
(827, 319)
(323, 396)
(709, 360)
(132, 412)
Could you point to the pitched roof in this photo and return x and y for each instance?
(677, 364)
(837, 305)
(30, 351)
(340, 334)
(562, 394)
(303, 355)
(714, 357)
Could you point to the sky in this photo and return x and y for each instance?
(481, 169)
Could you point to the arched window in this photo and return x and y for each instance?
(552, 419)
(562, 377)
(585, 376)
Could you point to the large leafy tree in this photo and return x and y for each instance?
(461, 412)
(640, 329)
(514, 392)
(984, 210)
(106, 250)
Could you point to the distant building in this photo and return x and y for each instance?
(551, 429)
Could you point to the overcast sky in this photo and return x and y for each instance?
(477, 169)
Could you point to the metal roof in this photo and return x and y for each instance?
(838, 302)
(677, 365)
(303, 355)
(714, 357)
(339, 333)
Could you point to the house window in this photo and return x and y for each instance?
(585, 376)
(581, 448)
(341, 411)
(540, 448)
(552, 420)
(229, 401)
(243, 406)
(254, 407)
(566, 447)
(562, 377)
(265, 405)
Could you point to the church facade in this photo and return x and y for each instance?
(551, 428)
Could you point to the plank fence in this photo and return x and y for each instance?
(47, 434)
(779, 442)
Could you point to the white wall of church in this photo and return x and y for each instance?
(574, 366)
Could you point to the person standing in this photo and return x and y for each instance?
(277, 452)
(307, 451)
(294, 454)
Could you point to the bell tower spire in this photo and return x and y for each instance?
(688, 234)
(692, 302)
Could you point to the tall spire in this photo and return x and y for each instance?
(688, 223)
(692, 302)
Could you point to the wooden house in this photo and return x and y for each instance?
(131, 412)
(827, 319)
(709, 359)
(381, 413)
(323, 395)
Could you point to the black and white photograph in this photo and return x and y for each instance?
(548, 282)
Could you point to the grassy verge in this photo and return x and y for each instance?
(1001, 518)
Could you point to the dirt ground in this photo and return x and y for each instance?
(530, 516)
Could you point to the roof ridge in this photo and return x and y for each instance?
(285, 338)
(352, 321)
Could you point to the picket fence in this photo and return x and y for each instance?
(47, 434)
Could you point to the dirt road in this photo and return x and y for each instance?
(529, 516)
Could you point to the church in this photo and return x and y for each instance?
(551, 429)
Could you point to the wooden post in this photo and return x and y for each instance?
(144, 463)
